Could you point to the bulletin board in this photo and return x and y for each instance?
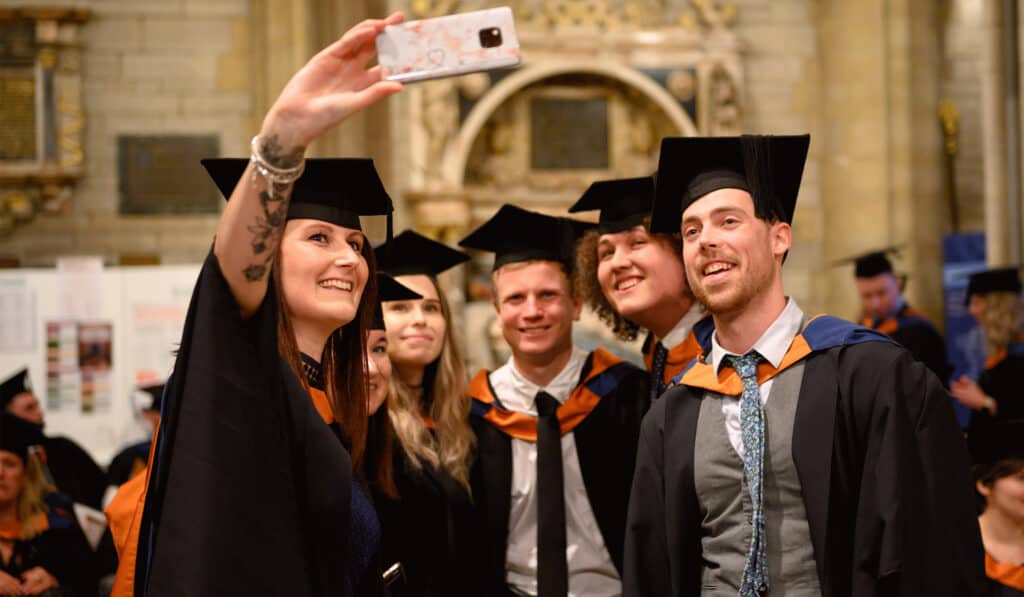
(89, 335)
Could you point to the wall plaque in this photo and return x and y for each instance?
(162, 174)
(568, 134)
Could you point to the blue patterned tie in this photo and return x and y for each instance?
(755, 572)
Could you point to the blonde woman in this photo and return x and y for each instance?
(427, 529)
(994, 300)
(41, 551)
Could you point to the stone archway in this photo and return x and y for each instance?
(457, 152)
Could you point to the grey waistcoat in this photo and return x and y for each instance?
(726, 507)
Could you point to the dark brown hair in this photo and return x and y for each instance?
(988, 474)
(377, 458)
(346, 379)
(585, 278)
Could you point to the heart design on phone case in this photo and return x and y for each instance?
(436, 56)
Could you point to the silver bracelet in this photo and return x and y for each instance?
(272, 174)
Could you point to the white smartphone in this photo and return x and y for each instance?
(448, 46)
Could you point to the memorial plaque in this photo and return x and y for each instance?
(18, 115)
(568, 134)
(162, 175)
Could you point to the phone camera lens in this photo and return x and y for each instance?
(490, 38)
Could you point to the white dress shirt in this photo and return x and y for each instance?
(772, 345)
(591, 571)
(678, 334)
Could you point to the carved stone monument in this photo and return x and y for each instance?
(41, 116)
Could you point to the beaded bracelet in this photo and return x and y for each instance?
(272, 174)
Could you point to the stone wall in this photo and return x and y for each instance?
(149, 67)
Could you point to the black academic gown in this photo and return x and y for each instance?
(75, 472)
(606, 442)
(61, 550)
(250, 491)
(883, 469)
(128, 463)
(912, 330)
(1002, 381)
(428, 529)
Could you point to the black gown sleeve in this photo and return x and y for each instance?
(66, 555)
(646, 570)
(75, 472)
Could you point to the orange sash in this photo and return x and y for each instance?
(678, 358)
(573, 411)
(124, 514)
(321, 404)
(11, 529)
(891, 325)
(1011, 575)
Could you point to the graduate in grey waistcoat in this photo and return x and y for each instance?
(797, 455)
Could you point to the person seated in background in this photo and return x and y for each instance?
(998, 453)
(884, 309)
(994, 300)
(635, 279)
(132, 460)
(75, 473)
(42, 550)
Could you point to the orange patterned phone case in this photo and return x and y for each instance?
(449, 46)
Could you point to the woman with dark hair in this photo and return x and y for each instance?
(994, 300)
(633, 278)
(42, 551)
(998, 452)
(265, 415)
(427, 529)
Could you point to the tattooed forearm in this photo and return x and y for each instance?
(267, 230)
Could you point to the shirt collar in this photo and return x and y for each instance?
(773, 343)
(677, 334)
(560, 387)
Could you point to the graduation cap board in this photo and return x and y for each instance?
(411, 253)
(623, 202)
(333, 190)
(149, 397)
(1004, 279)
(768, 167)
(1002, 440)
(869, 265)
(14, 385)
(389, 289)
(515, 234)
(17, 435)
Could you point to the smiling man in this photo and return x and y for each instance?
(797, 456)
(556, 426)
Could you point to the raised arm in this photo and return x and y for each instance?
(333, 85)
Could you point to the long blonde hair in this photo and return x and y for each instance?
(30, 500)
(444, 390)
(1002, 320)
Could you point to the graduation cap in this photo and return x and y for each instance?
(14, 385)
(390, 289)
(333, 190)
(149, 397)
(768, 167)
(1002, 440)
(624, 202)
(869, 265)
(411, 253)
(17, 435)
(515, 234)
(1004, 279)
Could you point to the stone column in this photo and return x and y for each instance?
(881, 145)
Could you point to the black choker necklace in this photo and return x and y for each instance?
(313, 371)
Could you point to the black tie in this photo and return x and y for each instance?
(552, 571)
(658, 370)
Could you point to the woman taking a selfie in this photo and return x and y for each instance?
(249, 491)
